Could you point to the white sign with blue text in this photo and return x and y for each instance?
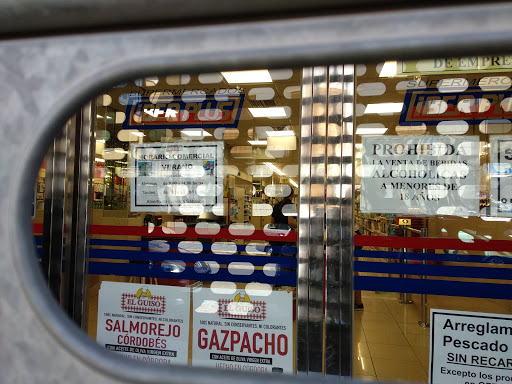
(500, 171)
(470, 348)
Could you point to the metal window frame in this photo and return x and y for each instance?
(44, 93)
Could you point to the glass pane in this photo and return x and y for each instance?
(193, 235)
(432, 216)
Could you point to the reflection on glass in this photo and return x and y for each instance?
(187, 170)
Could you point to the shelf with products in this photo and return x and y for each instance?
(376, 224)
(240, 198)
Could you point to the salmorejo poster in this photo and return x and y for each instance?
(243, 331)
(146, 323)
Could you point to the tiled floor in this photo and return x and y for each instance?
(390, 345)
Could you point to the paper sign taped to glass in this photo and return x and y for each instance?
(421, 175)
(184, 178)
(500, 172)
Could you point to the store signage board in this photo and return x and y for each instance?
(500, 170)
(455, 65)
(191, 109)
(470, 347)
(421, 175)
(244, 333)
(185, 178)
(146, 323)
(472, 105)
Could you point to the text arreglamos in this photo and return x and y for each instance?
(482, 330)
(234, 341)
(128, 327)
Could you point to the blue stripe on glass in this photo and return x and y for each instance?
(286, 262)
(206, 245)
(145, 270)
(434, 270)
(433, 287)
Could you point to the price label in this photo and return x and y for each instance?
(404, 221)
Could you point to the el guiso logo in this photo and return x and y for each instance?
(143, 302)
(241, 307)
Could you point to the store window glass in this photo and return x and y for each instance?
(192, 243)
(432, 219)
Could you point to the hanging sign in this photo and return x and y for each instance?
(177, 177)
(428, 175)
(500, 170)
(473, 105)
(243, 333)
(470, 347)
(146, 323)
(189, 109)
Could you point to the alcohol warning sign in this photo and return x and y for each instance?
(242, 332)
(470, 348)
(428, 175)
(147, 323)
(177, 177)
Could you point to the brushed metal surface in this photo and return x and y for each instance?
(45, 80)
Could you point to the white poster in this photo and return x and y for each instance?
(500, 171)
(185, 178)
(427, 175)
(470, 347)
(144, 322)
(242, 331)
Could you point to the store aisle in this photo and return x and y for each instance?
(390, 345)
(388, 342)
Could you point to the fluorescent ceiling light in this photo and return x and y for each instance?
(293, 183)
(274, 168)
(195, 133)
(259, 76)
(371, 131)
(268, 112)
(486, 218)
(280, 133)
(389, 69)
(109, 117)
(384, 108)
(99, 160)
(99, 116)
(257, 142)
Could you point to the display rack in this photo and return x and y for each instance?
(240, 198)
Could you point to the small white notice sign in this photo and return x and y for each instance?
(470, 348)
(177, 177)
(500, 170)
(148, 323)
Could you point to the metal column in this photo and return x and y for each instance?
(324, 317)
(79, 214)
(53, 216)
(339, 222)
